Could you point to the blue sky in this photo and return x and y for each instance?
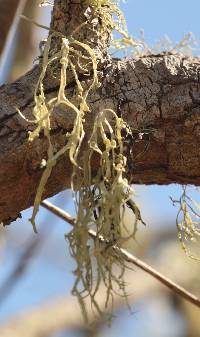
(158, 18)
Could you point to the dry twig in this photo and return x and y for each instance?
(131, 259)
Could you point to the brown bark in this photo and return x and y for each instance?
(157, 95)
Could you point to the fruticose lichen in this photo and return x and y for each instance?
(101, 197)
(188, 222)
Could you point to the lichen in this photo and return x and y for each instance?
(188, 222)
(101, 194)
(101, 197)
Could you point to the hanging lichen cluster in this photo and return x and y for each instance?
(100, 197)
(188, 222)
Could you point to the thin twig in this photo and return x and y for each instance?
(130, 258)
(59, 212)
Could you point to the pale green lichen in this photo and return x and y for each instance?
(44, 3)
(100, 197)
(188, 222)
(101, 202)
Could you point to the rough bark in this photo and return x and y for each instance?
(69, 18)
(157, 95)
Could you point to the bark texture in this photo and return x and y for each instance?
(159, 98)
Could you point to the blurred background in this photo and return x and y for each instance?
(36, 271)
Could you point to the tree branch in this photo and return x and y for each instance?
(157, 95)
(131, 259)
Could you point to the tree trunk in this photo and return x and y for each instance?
(157, 95)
